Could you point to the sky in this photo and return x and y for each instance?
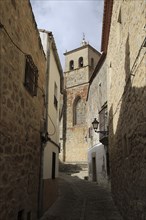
(68, 20)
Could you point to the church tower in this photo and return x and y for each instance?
(79, 66)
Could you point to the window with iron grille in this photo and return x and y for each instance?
(31, 76)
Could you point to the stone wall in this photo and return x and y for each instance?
(76, 77)
(97, 97)
(127, 108)
(76, 145)
(20, 113)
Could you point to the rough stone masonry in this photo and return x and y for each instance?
(20, 113)
(127, 108)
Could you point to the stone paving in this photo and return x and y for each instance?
(81, 200)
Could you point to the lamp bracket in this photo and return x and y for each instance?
(102, 132)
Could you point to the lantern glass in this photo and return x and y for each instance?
(95, 124)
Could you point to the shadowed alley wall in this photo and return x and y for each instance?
(127, 108)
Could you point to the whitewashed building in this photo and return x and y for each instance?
(50, 154)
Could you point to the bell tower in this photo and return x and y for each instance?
(79, 66)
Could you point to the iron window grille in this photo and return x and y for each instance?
(31, 76)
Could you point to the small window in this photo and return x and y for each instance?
(20, 215)
(71, 65)
(55, 96)
(92, 62)
(81, 62)
(31, 76)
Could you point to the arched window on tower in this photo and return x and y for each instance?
(71, 65)
(80, 62)
(78, 111)
(92, 62)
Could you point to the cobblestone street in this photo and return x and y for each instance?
(81, 200)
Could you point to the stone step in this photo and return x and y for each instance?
(72, 167)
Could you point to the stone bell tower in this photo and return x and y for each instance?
(79, 66)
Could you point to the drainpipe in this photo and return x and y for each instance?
(40, 193)
(40, 181)
(47, 80)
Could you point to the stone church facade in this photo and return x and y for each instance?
(79, 66)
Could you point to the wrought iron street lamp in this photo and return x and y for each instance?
(95, 124)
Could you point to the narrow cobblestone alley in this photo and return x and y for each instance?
(81, 200)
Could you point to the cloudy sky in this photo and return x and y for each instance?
(68, 20)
